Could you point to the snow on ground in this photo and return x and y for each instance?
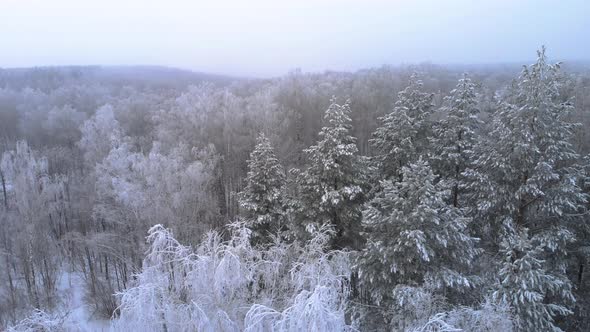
(79, 319)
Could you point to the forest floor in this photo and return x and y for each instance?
(78, 318)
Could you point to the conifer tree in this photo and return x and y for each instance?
(525, 170)
(525, 283)
(454, 137)
(263, 197)
(403, 134)
(414, 237)
(331, 187)
(525, 187)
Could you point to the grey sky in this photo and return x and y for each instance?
(270, 37)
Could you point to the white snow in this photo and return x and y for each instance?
(79, 319)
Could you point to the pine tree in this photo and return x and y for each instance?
(331, 187)
(414, 237)
(263, 197)
(454, 137)
(525, 170)
(525, 185)
(403, 134)
(524, 284)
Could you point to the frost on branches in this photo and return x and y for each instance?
(331, 187)
(231, 286)
(39, 321)
(525, 283)
(263, 197)
(489, 316)
(454, 138)
(403, 134)
(528, 200)
(33, 220)
(414, 238)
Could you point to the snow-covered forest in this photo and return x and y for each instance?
(400, 198)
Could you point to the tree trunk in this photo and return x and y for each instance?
(11, 286)
(522, 204)
(36, 303)
(3, 180)
(91, 271)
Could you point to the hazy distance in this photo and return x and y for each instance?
(267, 38)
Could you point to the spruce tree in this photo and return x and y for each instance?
(414, 237)
(403, 134)
(331, 187)
(454, 137)
(263, 198)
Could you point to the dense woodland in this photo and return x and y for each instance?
(408, 198)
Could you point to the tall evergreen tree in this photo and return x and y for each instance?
(403, 134)
(525, 185)
(331, 187)
(525, 283)
(263, 198)
(454, 137)
(414, 236)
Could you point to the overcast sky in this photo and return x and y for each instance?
(271, 37)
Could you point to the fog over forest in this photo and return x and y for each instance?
(267, 38)
(313, 166)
